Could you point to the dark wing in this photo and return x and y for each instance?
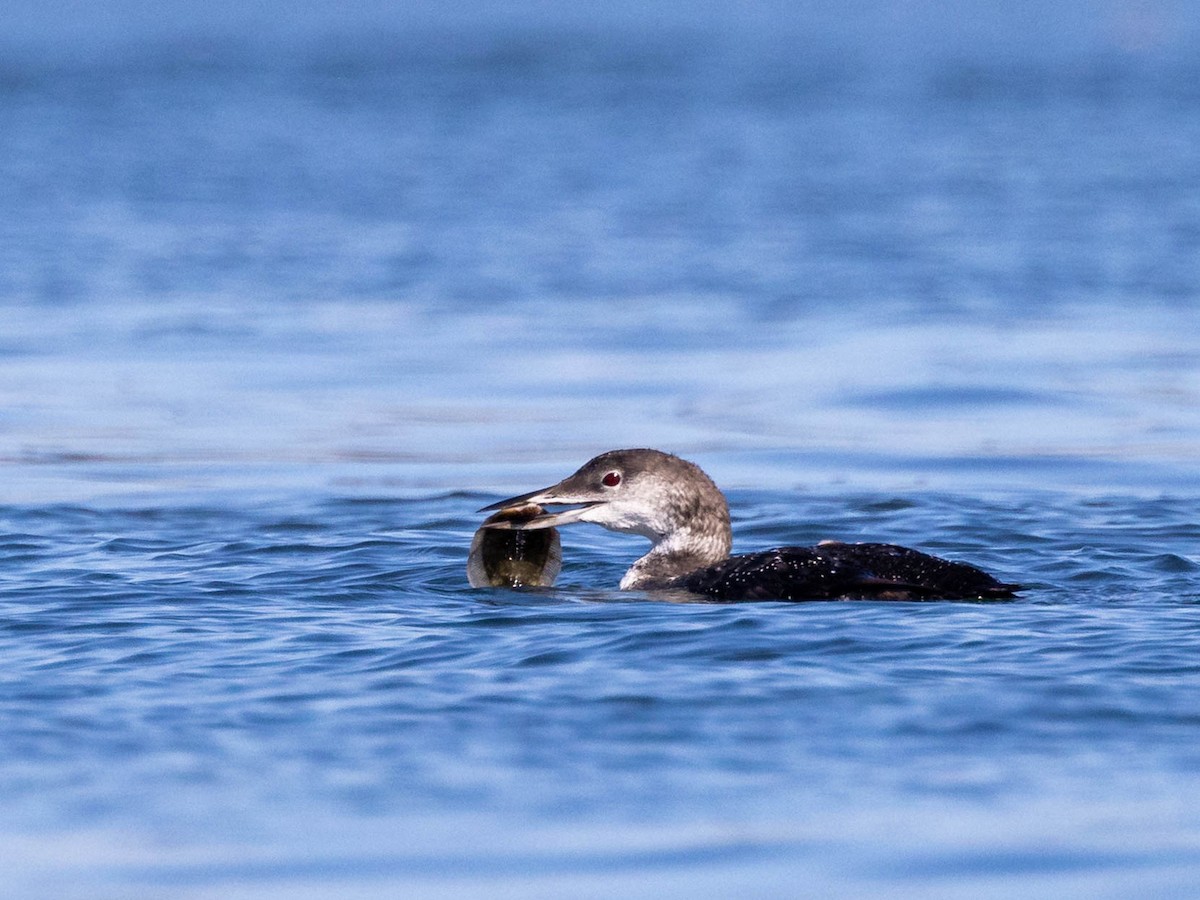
(843, 571)
(789, 573)
(929, 577)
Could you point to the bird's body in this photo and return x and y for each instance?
(833, 570)
(677, 506)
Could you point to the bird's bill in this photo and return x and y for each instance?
(543, 497)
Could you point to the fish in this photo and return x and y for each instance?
(514, 558)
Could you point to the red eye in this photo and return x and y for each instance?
(612, 479)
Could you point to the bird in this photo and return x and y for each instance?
(680, 509)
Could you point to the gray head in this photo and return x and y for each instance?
(646, 492)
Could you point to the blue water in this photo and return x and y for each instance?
(282, 307)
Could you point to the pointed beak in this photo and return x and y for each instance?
(550, 496)
(521, 500)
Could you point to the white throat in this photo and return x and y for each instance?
(676, 554)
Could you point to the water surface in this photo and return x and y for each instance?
(279, 315)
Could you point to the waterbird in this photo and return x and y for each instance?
(684, 514)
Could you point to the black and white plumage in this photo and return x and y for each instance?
(677, 506)
(833, 570)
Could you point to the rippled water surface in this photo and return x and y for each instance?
(279, 315)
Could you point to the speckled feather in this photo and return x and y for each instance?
(842, 571)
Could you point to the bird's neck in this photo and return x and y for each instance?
(679, 552)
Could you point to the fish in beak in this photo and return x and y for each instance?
(551, 496)
(514, 557)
